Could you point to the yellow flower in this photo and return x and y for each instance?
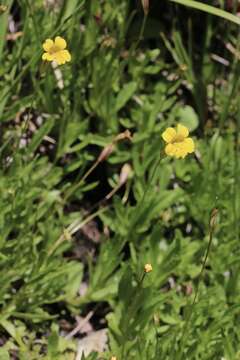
(178, 142)
(147, 268)
(56, 51)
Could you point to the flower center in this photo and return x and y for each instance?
(54, 49)
(178, 139)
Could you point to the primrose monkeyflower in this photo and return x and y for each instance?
(55, 50)
(178, 142)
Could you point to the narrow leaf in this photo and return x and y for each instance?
(209, 9)
(125, 94)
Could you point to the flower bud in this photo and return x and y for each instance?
(106, 152)
(145, 5)
(122, 136)
(147, 268)
(124, 174)
(213, 218)
(3, 8)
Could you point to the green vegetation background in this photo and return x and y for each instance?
(127, 73)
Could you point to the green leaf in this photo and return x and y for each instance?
(3, 26)
(125, 94)
(4, 354)
(125, 289)
(53, 345)
(188, 117)
(38, 137)
(209, 9)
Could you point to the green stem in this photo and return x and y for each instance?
(140, 37)
(76, 186)
(73, 229)
(200, 278)
(130, 311)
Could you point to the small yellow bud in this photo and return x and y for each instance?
(113, 358)
(147, 268)
(3, 8)
(183, 67)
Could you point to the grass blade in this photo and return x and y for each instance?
(209, 9)
(3, 26)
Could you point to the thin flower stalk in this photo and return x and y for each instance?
(212, 226)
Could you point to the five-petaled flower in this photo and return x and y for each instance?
(56, 51)
(178, 142)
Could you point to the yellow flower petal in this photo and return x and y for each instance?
(170, 150)
(47, 45)
(181, 153)
(182, 131)
(47, 57)
(62, 56)
(66, 55)
(189, 145)
(60, 43)
(59, 60)
(169, 134)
